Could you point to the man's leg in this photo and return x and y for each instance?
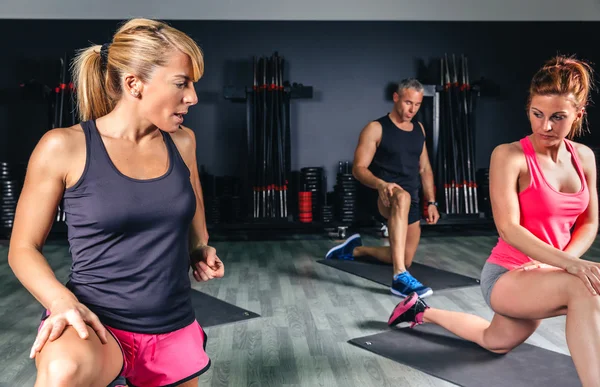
(402, 244)
(352, 247)
(413, 234)
(397, 216)
(380, 253)
(404, 240)
(384, 253)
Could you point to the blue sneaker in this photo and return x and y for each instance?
(405, 284)
(344, 250)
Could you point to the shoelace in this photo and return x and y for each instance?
(412, 281)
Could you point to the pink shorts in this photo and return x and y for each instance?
(165, 359)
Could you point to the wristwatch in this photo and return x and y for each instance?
(432, 203)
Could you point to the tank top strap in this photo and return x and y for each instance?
(93, 143)
(420, 129)
(97, 150)
(87, 127)
(576, 161)
(175, 157)
(385, 122)
(535, 173)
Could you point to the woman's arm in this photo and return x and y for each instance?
(42, 191)
(198, 230)
(47, 173)
(205, 262)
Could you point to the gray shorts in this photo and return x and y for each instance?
(489, 275)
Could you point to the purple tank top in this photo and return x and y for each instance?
(129, 241)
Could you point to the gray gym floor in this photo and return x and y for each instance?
(308, 313)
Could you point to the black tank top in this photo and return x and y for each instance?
(397, 157)
(129, 241)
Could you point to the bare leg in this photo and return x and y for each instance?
(583, 337)
(72, 361)
(413, 237)
(397, 216)
(542, 293)
(475, 328)
(380, 253)
(384, 253)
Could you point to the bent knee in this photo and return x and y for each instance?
(578, 291)
(500, 346)
(61, 372)
(401, 199)
(500, 351)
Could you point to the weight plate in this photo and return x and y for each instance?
(342, 187)
(312, 174)
(312, 179)
(311, 169)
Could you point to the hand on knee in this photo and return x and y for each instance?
(401, 200)
(60, 373)
(578, 291)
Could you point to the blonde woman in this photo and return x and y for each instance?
(127, 179)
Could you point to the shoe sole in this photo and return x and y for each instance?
(401, 308)
(353, 237)
(397, 293)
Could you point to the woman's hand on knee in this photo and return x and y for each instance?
(588, 272)
(62, 314)
(536, 265)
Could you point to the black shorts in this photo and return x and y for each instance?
(370, 198)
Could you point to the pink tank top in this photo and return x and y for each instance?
(545, 212)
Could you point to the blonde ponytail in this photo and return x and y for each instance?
(89, 80)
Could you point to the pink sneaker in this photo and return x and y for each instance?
(410, 309)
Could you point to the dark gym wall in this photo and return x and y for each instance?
(349, 64)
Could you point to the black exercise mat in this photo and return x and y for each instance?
(436, 279)
(437, 352)
(211, 311)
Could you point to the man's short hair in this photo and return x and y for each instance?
(410, 83)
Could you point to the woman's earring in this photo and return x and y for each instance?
(135, 93)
